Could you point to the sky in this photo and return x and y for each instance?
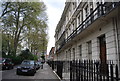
(54, 12)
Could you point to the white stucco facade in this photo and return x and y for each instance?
(75, 38)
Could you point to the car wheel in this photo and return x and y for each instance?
(17, 72)
(33, 74)
(7, 67)
(12, 67)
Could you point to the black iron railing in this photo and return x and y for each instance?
(87, 70)
(99, 11)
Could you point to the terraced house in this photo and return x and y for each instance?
(89, 30)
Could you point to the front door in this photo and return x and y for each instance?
(102, 43)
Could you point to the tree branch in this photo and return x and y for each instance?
(5, 9)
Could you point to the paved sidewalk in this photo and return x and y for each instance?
(47, 73)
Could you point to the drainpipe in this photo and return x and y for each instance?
(116, 40)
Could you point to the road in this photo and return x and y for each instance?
(44, 74)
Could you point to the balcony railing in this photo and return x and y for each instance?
(61, 45)
(99, 11)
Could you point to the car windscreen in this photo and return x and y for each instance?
(31, 62)
(3, 60)
(28, 62)
(6, 60)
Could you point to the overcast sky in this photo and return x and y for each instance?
(54, 12)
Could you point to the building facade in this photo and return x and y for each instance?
(51, 53)
(89, 30)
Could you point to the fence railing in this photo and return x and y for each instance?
(101, 10)
(86, 70)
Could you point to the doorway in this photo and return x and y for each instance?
(102, 44)
(103, 59)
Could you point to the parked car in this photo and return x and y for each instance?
(7, 63)
(38, 65)
(26, 67)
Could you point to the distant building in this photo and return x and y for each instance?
(89, 30)
(51, 53)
